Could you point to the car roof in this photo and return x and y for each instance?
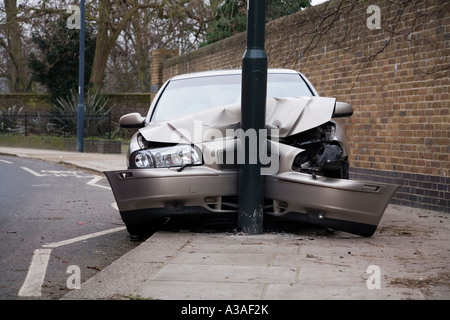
(226, 72)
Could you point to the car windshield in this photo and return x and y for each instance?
(186, 96)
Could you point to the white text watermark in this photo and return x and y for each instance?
(374, 280)
(241, 146)
(374, 20)
(74, 21)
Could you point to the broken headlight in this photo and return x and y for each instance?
(174, 156)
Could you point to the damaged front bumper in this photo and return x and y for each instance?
(348, 205)
(144, 195)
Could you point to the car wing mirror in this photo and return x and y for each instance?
(342, 109)
(132, 120)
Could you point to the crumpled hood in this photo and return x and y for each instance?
(288, 115)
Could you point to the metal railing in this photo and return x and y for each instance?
(55, 124)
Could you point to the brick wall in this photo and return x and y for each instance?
(396, 78)
(158, 58)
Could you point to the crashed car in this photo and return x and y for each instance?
(184, 159)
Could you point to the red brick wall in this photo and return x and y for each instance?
(396, 78)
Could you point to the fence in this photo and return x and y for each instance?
(64, 124)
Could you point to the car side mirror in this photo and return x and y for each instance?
(132, 120)
(342, 109)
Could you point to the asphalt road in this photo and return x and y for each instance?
(44, 203)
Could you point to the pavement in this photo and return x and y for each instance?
(407, 258)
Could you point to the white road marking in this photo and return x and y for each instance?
(88, 236)
(41, 185)
(37, 174)
(55, 173)
(94, 181)
(6, 161)
(67, 173)
(32, 285)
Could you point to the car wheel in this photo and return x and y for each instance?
(142, 231)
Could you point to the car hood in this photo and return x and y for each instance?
(288, 115)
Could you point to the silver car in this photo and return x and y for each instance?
(184, 159)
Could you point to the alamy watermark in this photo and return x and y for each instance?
(260, 145)
(374, 20)
(74, 280)
(74, 21)
(374, 279)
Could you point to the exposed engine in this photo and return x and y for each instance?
(322, 155)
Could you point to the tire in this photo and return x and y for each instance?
(144, 230)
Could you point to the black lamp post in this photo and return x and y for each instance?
(80, 113)
(253, 115)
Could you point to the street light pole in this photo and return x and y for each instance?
(80, 113)
(253, 117)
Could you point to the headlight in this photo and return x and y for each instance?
(142, 143)
(176, 156)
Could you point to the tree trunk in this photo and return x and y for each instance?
(101, 50)
(18, 77)
(106, 38)
(143, 68)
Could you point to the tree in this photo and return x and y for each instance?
(56, 64)
(231, 16)
(279, 8)
(113, 17)
(230, 19)
(11, 42)
(128, 30)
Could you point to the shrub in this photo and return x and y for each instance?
(97, 112)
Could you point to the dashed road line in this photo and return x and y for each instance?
(37, 174)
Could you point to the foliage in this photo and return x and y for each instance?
(56, 64)
(125, 33)
(38, 124)
(231, 16)
(97, 108)
(276, 9)
(9, 119)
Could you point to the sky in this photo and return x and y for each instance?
(315, 2)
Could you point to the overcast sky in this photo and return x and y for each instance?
(314, 2)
